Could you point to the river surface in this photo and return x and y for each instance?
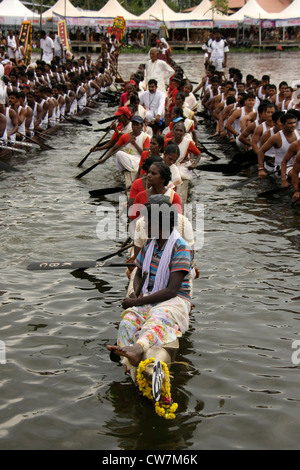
(59, 389)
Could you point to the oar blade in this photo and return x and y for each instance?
(106, 191)
(7, 167)
(52, 265)
(85, 172)
(73, 265)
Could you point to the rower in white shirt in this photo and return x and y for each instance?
(154, 100)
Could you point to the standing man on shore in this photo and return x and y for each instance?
(158, 70)
(47, 48)
(217, 53)
(11, 45)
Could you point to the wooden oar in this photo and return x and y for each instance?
(106, 191)
(220, 167)
(98, 143)
(96, 164)
(12, 148)
(105, 129)
(72, 265)
(212, 155)
(7, 167)
(243, 183)
(40, 144)
(23, 144)
(104, 121)
(78, 120)
(273, 191)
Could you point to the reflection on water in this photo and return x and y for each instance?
(59, 388)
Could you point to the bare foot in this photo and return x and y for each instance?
(133, 353)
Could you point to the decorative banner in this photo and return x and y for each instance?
(63, 34)
(289, 22)
(119, 27)
(268, 24)
(25, 39)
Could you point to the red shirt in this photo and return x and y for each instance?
(191, 148)
(144, 157)
(136, 187)
(124, 139)
(141, 200)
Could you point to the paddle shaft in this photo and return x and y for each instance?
(41, 145)
(85, 172)
(247, 181)
(98, 143)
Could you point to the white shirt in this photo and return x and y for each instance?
(154, 102)
(160, 71)
(47, 46)
(217, 49)
(11, 43)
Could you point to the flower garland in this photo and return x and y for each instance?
(165, 407)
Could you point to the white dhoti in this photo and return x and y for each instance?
(185, 173)
(125, 161)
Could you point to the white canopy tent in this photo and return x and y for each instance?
(251, 10)
(13, 12)
(104, 17)
(112, 9)
(290, 16)
(205, 11)
(62, 8)
(160, 11)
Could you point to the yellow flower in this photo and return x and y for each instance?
(164, 407)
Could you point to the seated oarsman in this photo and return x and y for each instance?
(210, 93)
(11, 121)
(39, 96)
(177, 115)
(280, 141)
(233, 124)
(29, 121)
(250, 136)
(190, 99)
(295, 178)
(71, 101)
(129, 147)
(161, 313)
(265, 124)
(279, 97)
(61, 102)
(94, 88)
(52, 106)
(37, 113)
(206, 80)
(223, 110)
(287, 103)
(14, 103)
(288, 163)
(40, 81)
(123, 116)
(81, 94)
(3, 133)
(13, 84)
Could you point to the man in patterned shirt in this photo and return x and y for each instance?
(160, 314)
